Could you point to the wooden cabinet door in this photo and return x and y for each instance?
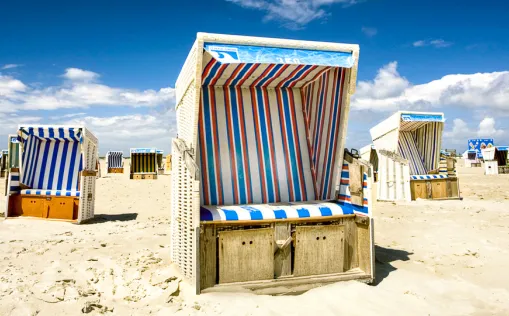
(438, 189)
(59, 207)
(32, 206)
(419, 190)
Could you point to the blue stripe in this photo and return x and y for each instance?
(291, 154)
(14, 178)
(230, 215)
(264, 122)
(237, 144)
(326, 211)
(253, 212)
(280, 214)
(205, 214)
(270, 75)
(62, 163)
(345, 174)
(71, 166)
(209, 146)
(331, 135)
(303, 212)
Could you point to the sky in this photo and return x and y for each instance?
(112, 65)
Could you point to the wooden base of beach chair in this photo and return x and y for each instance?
(503, 169)
(115, 170)
(283, 254)
(139, 176)
(435, 189)
(3, 173)
(43, 206)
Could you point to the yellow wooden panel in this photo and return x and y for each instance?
(246, 255)
(319, 250)
(438, 189)
(32, 206)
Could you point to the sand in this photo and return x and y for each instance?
(433, 258)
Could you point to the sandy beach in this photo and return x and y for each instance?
(432, 258)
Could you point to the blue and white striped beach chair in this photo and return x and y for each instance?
(115, 161)
(56, 174)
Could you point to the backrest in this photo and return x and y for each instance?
(408, 149)
(51, 164)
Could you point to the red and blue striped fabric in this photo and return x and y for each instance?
(268, 133)
(344, 191)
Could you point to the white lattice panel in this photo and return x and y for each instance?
(184, 215)
(87, 189)
(186, 116)
(187, 74)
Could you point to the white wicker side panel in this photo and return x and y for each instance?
(87, 187)
(185, 212)
(186, 124)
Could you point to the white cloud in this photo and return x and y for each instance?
(80, 75)
(293, 13)
(437, 43)
(80, 91)
(487, 128)
(130, 131)
(390, 91)
(10, 66)
(369, 31)
(460, 131)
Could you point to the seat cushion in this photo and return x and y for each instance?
(428, 176)
(274, 211)
(51, 192)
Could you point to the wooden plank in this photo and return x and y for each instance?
(429, 190)
(351, 255)
(364, 248)
(283, 256)
(439, 189)
(208, 257)
(418, 190)
(355, 182)
(288, 220)
(453, 184)
(319, 250)
(282, 285)
(88, 173)
(246, 255)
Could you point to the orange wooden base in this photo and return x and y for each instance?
(115, 170)
(140, 176)
(51, 207)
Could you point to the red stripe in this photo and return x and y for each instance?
(259, 145)
(264, 74)
(248, 74)
(290, 76)
(218, 74)
(285, 144)
(205, 176)
(234, 74)
(272, 148)
(207, 69)
(338, 122)
(304, 93)
(217, 161)
(304, 75)
(297, 142)
(229, 131)
(243, 139)
(327, 145)
(276, 75)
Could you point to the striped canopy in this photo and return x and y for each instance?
(269, 130)
(114, 159)
(51, 157)
(143, 160)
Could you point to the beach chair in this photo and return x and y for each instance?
(167, 169)
(55, 178)
(495, 160)
(160, 163)
(143, 164)
(115, 161)
(264, 195)
(413, 170)
(4, 161)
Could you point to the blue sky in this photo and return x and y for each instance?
(113, 64)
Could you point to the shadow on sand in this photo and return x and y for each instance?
(102, 218)
(383, 259)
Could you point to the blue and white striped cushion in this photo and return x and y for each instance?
(275, 211)
(51, 192)
(428, 177)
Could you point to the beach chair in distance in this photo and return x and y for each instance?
(160, 163)
(115, 161)
(264, 195)
(411, 165)
(4, 159)
(143, 164)
(167, 165)
(56, 175)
